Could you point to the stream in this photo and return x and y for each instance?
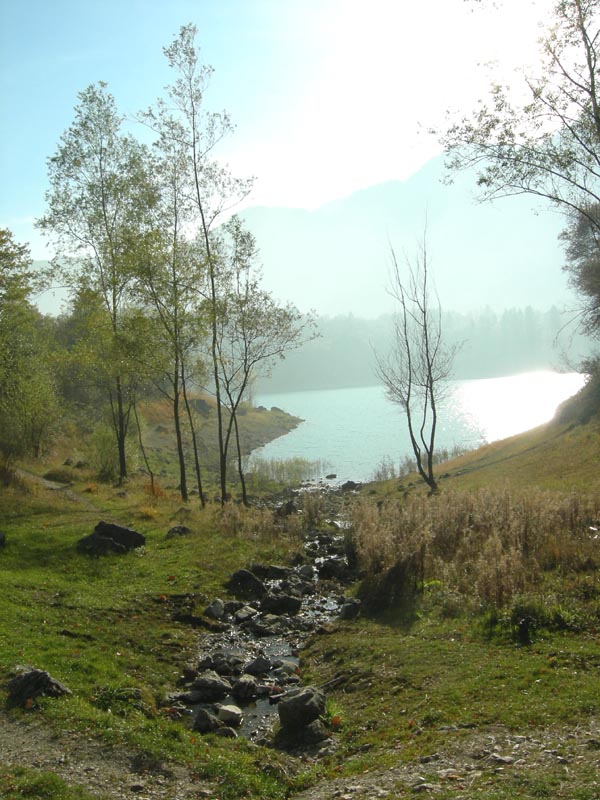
(251, 660)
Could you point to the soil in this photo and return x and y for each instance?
(97, 768)
(112, 774)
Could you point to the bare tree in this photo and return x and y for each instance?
(415, 371)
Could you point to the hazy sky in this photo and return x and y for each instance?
(329, 96)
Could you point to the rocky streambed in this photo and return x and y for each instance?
(247, 675)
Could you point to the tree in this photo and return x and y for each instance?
(415, 371)
(189, 132)
(99, 203)
(549, 146)
(253, 330)
(28, 407)
(582, 237)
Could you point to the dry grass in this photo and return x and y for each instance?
(487, 545)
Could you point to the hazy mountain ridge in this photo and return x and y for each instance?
(336, 259)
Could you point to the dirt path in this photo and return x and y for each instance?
(107, 772)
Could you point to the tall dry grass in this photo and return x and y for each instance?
(488, 545)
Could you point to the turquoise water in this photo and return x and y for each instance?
(354, 430)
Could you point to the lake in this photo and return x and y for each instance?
(355, 430)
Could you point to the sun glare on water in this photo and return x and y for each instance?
(502, 407)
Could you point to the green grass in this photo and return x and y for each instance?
(21, 782)
(104, 625)
(445, 676)
(437, 687)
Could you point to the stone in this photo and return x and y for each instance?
(226, 732)
(109, 537)
(245, 584)
(259, 666)
(206, 722)
(227, 663)
(350, 608)
(280, 604)
(231, 606)
(31, 683)
(313, 733)
(245, 688)
(210, 686)
(299, 707)
(350, 486)
(230, 715)
(243, 614)
(216, 609)
(178, 530)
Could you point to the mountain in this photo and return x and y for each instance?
(336, 259)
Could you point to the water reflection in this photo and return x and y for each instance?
(354, 430)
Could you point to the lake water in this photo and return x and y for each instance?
(355, 430)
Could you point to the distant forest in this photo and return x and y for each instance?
(493, 344)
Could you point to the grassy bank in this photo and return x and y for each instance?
(440, 683)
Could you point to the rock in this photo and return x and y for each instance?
(178, 530)
(245, 584)
(227, 732)
(259, 666)
(245, 689)
(216, 609)
(231, 606)
(286, 666)
(230, 715)
(206, 722)
(227, 663)
(335, 567)
(299, 707)
(286, 509)
(331, 477)
(31, 683)
(243, 614)
(307, 571)
(280, 604)
(350, 608)
(313, 733)
(108, 537)
(210, 686)
(350, 486)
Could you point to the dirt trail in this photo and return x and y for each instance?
(101, 770)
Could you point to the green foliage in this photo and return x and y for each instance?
(28, 406)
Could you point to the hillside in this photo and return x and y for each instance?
(473, 676)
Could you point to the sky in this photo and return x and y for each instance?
(328, 96)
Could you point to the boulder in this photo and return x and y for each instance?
(350, 608)
(31, 683)
(280, 603)
(216, 609)
(231, 715)
(299, 707)
(245, 584)
(259, 666)
(245, 688)
(210, 686)
(206, 722)
(244, 613)
(109, 537)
